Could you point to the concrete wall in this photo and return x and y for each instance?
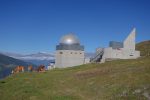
(69, 58)
(86, 60)
(130, 54)
(120, 53)
(113, 53)
(129, 42)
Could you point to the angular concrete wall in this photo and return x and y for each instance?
(129, 42)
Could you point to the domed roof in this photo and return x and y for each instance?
(69, 39)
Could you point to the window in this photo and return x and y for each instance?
(61, 52)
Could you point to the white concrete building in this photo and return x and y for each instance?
(69, 52)
(51, 66)
(86, 60)
(118, 50)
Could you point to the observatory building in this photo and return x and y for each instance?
(118, 50)
(69, 52)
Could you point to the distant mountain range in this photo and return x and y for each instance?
(6, 60)
(8, 63)
(38, 58)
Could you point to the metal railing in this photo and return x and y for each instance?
(98, 57)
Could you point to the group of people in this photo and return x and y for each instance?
(18, 69)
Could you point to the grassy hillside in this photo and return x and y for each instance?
(144, 47)
(115, 80)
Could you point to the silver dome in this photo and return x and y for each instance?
(69, 39)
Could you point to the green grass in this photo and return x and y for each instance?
(115, 80)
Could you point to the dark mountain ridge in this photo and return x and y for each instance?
(8, 63)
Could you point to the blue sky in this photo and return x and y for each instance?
(30, 26)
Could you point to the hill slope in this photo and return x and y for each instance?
(144, 48)
(115, 80)
(7, 63)
(6, 60)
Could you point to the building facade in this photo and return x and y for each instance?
(69, 52)
(118, 50)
